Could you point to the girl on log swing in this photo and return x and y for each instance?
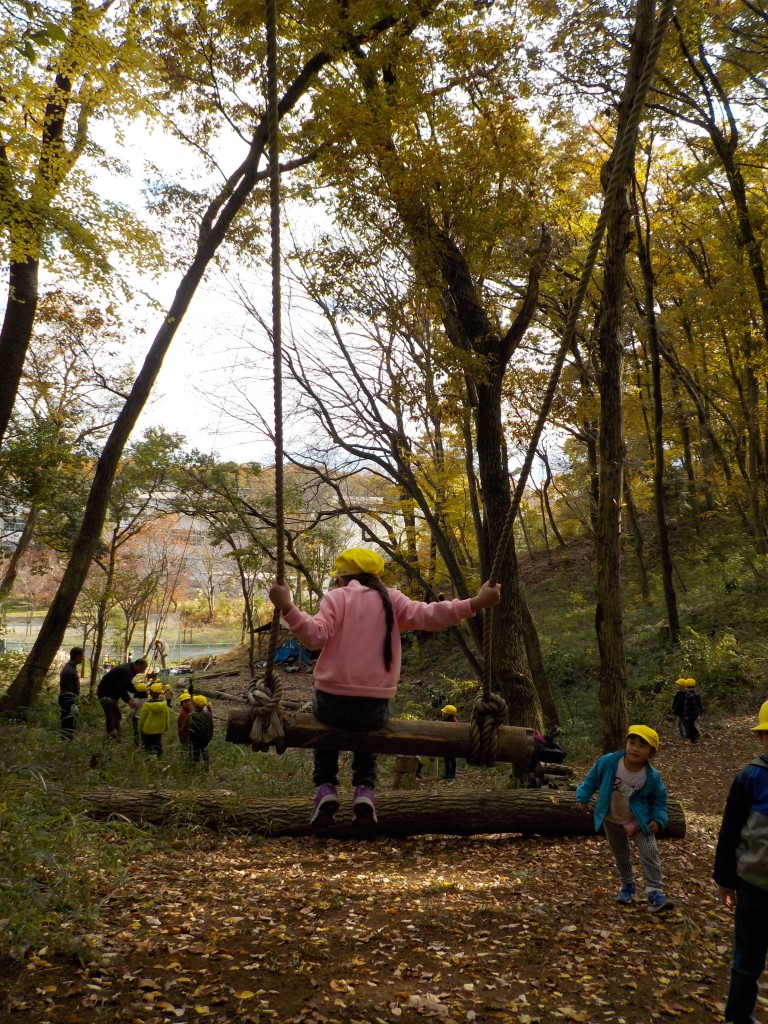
(358, 631)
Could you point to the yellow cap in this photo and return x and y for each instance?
(762, 719)
(645, 733)
(449, 709)
(359, 560)
(156, 688)
(184, 696)
(140, 687)
(199, 700)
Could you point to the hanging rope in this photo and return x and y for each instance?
(486, 707)
(265, 693)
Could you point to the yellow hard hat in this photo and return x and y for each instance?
(140, 687)
(762, 719)
(199, 700)
(156, 688)
(449, 709)
(645, 733)
(689, 682)
(359, 560)
(184, 696)
(681, 682)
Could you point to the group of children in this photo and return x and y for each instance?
(151, 718)
(687, 707)
(353, 687)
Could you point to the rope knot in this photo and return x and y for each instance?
(268, 716)
(488, 713)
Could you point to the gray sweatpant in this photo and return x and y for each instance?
(619, 842)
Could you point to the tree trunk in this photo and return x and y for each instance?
(16, 333)
(637, 541)
(101, 617)
(545, 531)
(547, 505)
(642, 233)
(12, 569)
(533, 653)
(533, 812)
(608, 613)
(509, 666)
(685, 437)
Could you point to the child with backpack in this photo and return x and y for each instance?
(449, 714)
(182, 723)
(741, 872)
(200, 731)
(693, 709)
(357, 631)
(678, 707)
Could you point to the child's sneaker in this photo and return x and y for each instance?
(364, 807)
(657, 901)
(325, 806)
(627, 894)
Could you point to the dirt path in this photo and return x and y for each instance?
(499, 929)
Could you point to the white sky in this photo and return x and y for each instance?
(216, 334)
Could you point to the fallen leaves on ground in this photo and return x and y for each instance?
(491, 930)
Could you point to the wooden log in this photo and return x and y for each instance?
(564, 770)
(430, 739)
(528, 812)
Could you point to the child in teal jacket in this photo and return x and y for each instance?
(631, 803)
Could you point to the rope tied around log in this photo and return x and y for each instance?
(268, 715)
(488, 713)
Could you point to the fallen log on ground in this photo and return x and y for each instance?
(224, 673)
(447, 812)
(399, 736)
(207, 691)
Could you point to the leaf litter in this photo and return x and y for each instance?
(489, 930)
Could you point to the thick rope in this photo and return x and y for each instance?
(265, 692)
(623, 158)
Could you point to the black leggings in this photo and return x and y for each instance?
(353, 714)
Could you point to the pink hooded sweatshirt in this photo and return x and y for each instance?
(350, 628)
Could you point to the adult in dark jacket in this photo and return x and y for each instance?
(115, 686)
(69, 691)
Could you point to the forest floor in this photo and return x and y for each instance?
(490, 929)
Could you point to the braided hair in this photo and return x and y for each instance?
(374, 583)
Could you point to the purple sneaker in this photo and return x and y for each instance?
(325, 806)
(364, 807)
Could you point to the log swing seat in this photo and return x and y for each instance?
(487, 738)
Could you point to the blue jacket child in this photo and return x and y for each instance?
(631, 804)
(741, 871)
(648, 804)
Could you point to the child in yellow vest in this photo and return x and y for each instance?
(154, 720)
